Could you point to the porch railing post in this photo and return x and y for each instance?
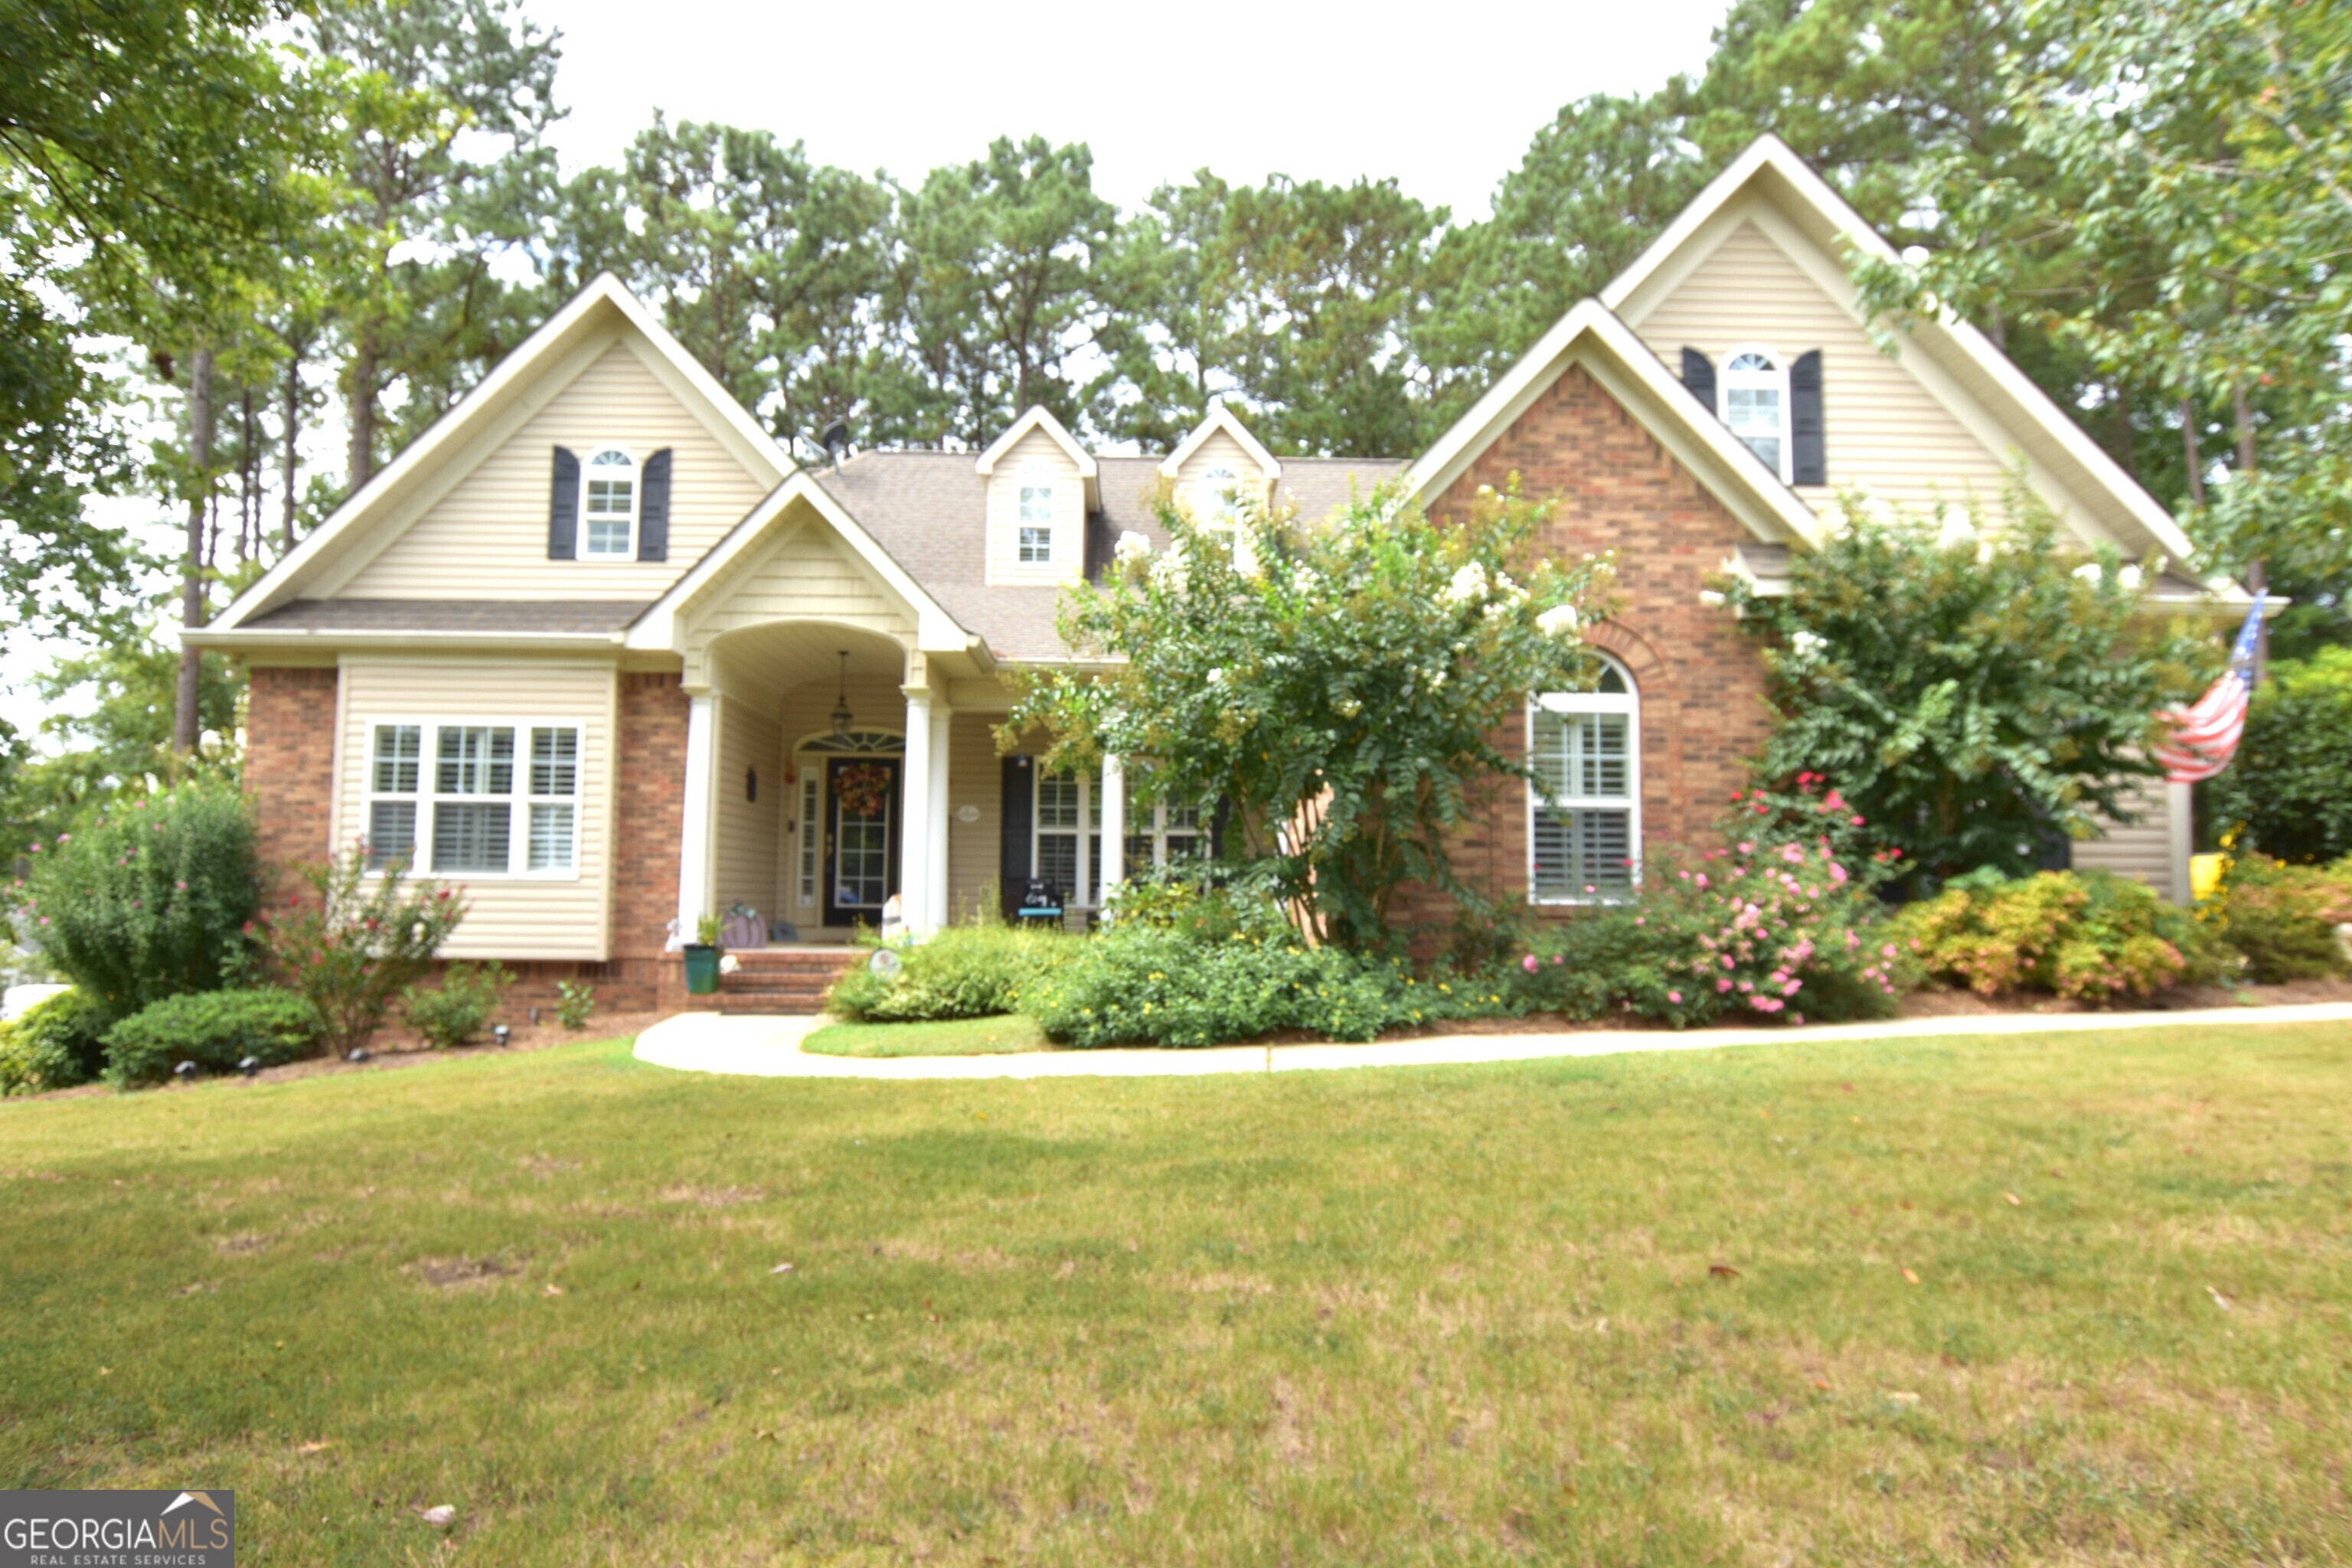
(937, 871)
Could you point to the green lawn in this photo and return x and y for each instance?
(950, 1037)
(1431, 1316)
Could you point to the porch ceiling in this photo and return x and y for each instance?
(777, 656)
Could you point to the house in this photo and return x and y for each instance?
(594, 647)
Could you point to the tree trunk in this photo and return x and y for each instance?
(185, 720)
(293, 461)
(2189, 451)
(361, 393)
(2243, 418)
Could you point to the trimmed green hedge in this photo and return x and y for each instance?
(962, 971)
(214, 1029)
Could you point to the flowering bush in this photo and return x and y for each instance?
(1809, 809)
(1343, 689)
(2284, 917)
(362, 936)
(2090, 936)
(148, 899)
(1755, 931)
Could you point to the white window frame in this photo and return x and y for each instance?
(1220, 495)
(628, 551)
(1578, 704)
(1088, 833)
(1158, 832)
(812, 833)
(518, 798)
(1034, 480)
(1776, 380)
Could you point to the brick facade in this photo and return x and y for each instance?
(289, 769)
(1701, 681)
(648, 820)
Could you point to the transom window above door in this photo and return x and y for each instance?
(608, 506)
(1755, 390)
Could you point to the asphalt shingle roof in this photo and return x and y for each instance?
(485, 616)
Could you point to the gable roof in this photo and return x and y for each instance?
(1592, 335)
(1040, 417)
(429, 464)
(1770, 169)
(1221, 418)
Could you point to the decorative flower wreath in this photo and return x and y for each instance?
(863, 788)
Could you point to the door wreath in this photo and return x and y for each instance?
(863, 789)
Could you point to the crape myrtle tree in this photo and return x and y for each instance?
(1343, 689)
(1972, 690)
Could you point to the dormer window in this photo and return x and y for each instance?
(1220, 498)
(1755, 405)
(608, 506)
(1036, 516)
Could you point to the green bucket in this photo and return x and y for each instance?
(702, 969)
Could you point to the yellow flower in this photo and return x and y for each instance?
(1444, 987)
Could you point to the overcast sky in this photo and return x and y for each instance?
(1444, 97)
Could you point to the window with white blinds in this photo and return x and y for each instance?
(473, 798)
(1584, 810)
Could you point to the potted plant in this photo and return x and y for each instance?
(702, 958)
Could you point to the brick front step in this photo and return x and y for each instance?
(783, 982)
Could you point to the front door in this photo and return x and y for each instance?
(861, 837)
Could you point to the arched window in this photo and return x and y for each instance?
(608, 506)
(1585, 812)
(1036, 516)
(1755, 392)
(1220, 498)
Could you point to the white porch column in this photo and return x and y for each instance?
(936, 884)
(915, 854)
(695, 809)
(1112, 865)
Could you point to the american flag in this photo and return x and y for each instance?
(2205, 737)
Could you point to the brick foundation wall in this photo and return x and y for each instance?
(1701, 681)
(290, 771)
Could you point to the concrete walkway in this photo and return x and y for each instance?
(770, 1048)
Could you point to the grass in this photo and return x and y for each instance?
(1634, 1310)
(948, 1038)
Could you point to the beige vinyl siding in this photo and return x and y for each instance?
(975, 850)
(2142, 850)
(508, 917)
(1886, 433)
(746, 830)
(1003, 563)
(1219, 451)
(487, 539)
(808, 576)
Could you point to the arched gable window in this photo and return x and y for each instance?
(609, 491)
(1220, 498)
(1584, 811)
(1035, 519)
(1754, 388)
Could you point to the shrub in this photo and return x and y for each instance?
(961, 971)
(1974, 691)
(362, 937)
(2090, 936)
(56, 1044)
(1217, 967)
(214, 1029)
(574, 1000)
(148, 899)
(454, 1012)
(2284, 917)
(1756, 932)
(2286, 783)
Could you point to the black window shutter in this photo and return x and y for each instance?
(653, 508)
(1698, 376)
(1014, 868)
(564, 508)
(1809, 459)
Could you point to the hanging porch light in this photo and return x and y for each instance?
(841, 715)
